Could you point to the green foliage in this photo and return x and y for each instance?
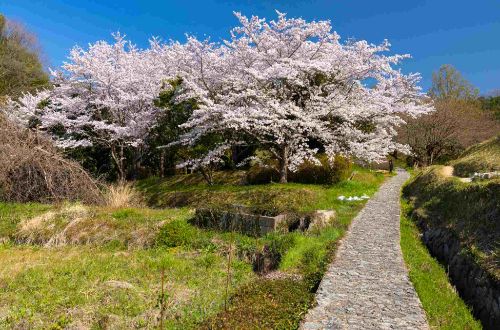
(20, 67)
(483, 157)
(308, 172)
(262, 174)
(442, 305)
(181, 233)
(167, 130)
(325, 173)
(469, 210)
(491, 104)
(96, 160)
(265, 304)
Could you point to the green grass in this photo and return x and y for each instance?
(265, 304)
(79, 224)
(190, 190)
(442, 305)
(12, 213)
(483, 157)
(102, 288)
(71, 281)
(468, 210)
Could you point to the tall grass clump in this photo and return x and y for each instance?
(122, 194)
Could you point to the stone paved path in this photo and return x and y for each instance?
(367, 285)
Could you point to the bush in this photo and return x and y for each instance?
(32, 170)
(308, 172)
(326, 173)
(262, 174)
(180, 233)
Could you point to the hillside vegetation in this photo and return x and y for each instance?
(483, 157)
(460, 225)
(470, 210)
(100, 266)
(442, 304)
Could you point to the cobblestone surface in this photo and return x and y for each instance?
(367, 285)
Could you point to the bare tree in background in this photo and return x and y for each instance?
(457, 123)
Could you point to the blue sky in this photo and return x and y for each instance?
(463, 33)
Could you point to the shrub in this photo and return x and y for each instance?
(341, 169)
(262, 174)
(326, 173)
(180, 233)
(32, 170)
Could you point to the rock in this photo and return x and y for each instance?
(321, 219)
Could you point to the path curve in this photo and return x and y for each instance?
(367, 285)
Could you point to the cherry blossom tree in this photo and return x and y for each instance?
(103, 95)
(295, 89)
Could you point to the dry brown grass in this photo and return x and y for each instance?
(123, 195)
(77, 224)
(32, 170)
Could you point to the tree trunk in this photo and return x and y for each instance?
(207, 174)
(121, 166)
(162, 163)
(284, 165)
(118, 158)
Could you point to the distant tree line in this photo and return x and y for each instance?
(20, 67)
(461, 119)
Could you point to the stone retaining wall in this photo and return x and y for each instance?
(245, 223)
(478, 288)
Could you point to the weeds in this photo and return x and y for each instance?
(442, 305)
(123, 195)
(483, 157)
(207, 274)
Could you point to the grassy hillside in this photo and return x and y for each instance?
(192, 191)
(441, 302)
(100, 267)
(483, 157)
(470, 210)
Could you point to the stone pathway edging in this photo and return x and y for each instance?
(367, 285)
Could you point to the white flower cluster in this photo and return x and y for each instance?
(287, 85)
(353, 198)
